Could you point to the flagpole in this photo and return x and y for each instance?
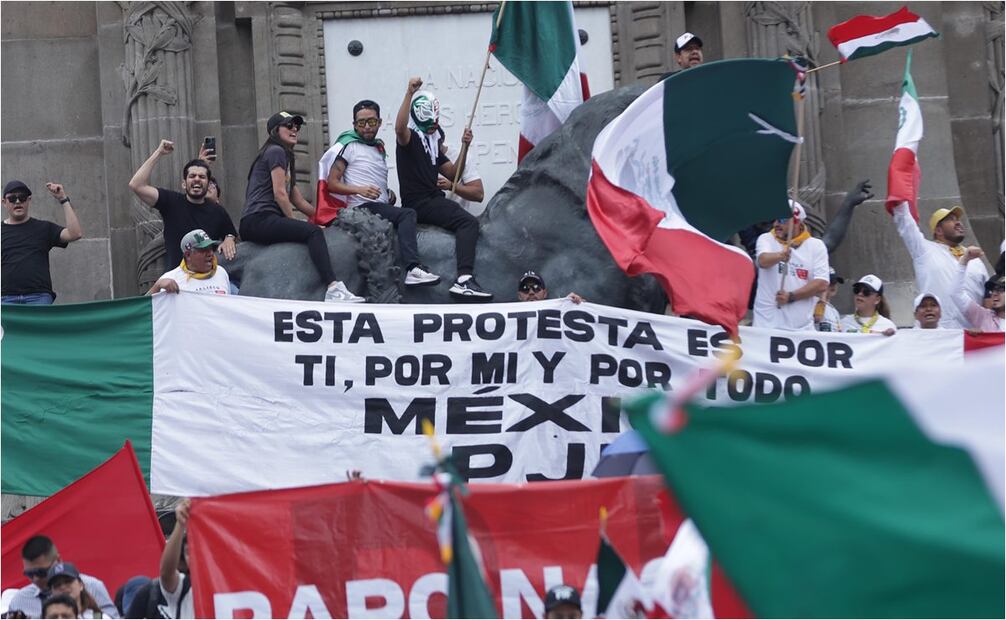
(463, 155)
(794, 191)
(830, 64)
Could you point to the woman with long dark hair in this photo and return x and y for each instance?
(271, 197)
(64, 578)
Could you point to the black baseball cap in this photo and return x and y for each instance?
(63, 569)
(835, 277)
(562, 595)
(14, 186)
(531, 275)
(282, 118)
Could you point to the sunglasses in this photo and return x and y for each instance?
(530, 288)
(16, 198)
(32, 573)
(369, 122)
(292, 126)
(865, 291)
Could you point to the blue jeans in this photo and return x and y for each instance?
(29, 299)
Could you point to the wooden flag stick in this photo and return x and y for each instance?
(830, 64)
(795, 189)
(463, 155)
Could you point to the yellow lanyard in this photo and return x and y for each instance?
(865, 327)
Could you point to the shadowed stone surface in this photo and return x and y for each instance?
(538, 220)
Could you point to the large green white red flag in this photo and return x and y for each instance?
(866, 35)
(668, 187)
(539, 44)
(904, 174)
(883, 499)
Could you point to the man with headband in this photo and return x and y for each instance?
(421, 157)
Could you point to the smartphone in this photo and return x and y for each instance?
(210, 146)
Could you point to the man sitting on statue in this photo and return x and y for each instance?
(356, 167)
(198, 271)
(420, 156)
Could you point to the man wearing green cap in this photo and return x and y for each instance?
(198, 272)
(935, 261)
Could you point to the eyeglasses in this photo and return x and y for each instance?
(368, 122)
(530, 288)
(16, 198)
(32, 573)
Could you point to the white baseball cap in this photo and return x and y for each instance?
(872, 281)
(798, 211)
(684, 40)
(933, 296)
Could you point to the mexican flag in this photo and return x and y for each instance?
(620, 594)
(668, 188)
(327, 204)
(904, 175)
(883, 499)
(865, 35)
(467, 593)
(539, 44)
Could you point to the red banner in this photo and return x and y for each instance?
(974, 342)
(104, 523)
(366, 549)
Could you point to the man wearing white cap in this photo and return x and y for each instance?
(935, 261)
(198, 272)
(928, 310)
(790, 275)
(688, 51)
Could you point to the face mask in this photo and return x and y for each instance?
(425, 111)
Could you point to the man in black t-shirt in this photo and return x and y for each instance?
(25, 244)
(184, 212)
(420, 155)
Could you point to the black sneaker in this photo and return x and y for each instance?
(469, 289)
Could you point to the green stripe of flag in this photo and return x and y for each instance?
(863, 52)
(610, 573)
(837, 505)
(534, 41)
(727, 174)
(81, 373)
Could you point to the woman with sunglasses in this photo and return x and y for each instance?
(64, 578)
(271, 197)
(872, 316)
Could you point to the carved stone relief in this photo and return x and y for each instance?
(994, 36)
(776, 29)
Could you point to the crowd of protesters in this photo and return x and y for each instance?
(795, 287)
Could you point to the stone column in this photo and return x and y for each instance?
(157, 77)
(775, 29)
(645, 40)
(994, 28)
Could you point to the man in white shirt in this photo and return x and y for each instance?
(790, 275)
(935, 261)
(199, 271)
(356, 167)
(39, 555)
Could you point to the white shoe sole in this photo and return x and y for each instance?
(409, 281)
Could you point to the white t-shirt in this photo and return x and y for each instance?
(365, 165)
(469, 174)
(831, 321)
(188, 608)
(218, 284)
(850, 324)
(807, 262)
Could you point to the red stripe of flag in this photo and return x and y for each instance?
(864, 25)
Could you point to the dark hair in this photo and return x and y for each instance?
(366, 104)
(60, 599)
(37, 546)
(86, 600)
(882, 308)
(195, 163)
(291, 160)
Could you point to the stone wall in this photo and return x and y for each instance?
(227, 66)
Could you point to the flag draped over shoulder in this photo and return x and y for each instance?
(328, 204)
(104, 522)
(865, 35)
(539, 44)
(671, 183)
(883, 499)
(904, 174)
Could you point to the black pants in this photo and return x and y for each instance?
(445, 213)
(404, 221)
(267, 228)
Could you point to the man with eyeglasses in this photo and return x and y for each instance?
(39, 554)
(356, 167)
(26, 242)
(531, 287)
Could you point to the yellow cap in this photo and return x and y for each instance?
(941, 214)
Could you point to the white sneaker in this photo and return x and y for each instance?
(420, 276)
(338, 293)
